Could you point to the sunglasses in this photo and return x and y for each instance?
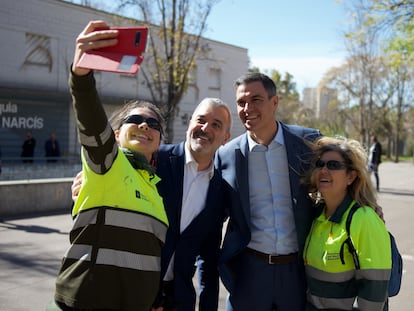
(138, 119)
(331, 165)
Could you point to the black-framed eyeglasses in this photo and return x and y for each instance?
(138, 119)
(332, 165)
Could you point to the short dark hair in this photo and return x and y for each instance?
(250, 77)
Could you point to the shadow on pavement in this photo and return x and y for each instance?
(29, 228)
(396, 192)
(12, 223)
(32, 264)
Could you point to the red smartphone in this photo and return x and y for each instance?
(124, 57)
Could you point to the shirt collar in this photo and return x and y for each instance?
(279, 138)
(339, 212)
(191, 162)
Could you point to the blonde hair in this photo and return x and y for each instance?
(355, 158)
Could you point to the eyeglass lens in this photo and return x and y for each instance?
(332, 165)
(138, 119)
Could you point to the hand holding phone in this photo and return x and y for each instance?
(124, 57)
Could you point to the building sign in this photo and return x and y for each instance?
(10, 118)
(42, 115)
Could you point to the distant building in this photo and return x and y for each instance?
(310, 98)
(37, 48)
(317, 99)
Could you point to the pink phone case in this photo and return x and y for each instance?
(124, 57)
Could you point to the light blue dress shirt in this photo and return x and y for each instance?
(273, 229)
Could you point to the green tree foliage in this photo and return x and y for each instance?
(285, 84)
(396, 19)
(289, 109)
(375, 84)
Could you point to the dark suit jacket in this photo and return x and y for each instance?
(232, 159)
(376, 154)
(200, 240)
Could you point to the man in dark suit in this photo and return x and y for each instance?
(193, 193)
(270, 213)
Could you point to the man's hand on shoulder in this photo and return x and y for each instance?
(76, 185)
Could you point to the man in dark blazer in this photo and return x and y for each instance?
(270, 213)
(195, 212)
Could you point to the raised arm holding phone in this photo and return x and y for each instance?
(114, 258)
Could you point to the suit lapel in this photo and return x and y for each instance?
(242, 176)
(298, 155)
(177, 160)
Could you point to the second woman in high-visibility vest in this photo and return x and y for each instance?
(339, 179)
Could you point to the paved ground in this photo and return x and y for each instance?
(31, 247)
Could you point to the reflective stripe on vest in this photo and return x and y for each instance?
(368, 274)
(331, 303)
(324, 276)
(343, 303)
(115, 258)
(123, 219)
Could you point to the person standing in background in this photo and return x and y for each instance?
(28, 147)
(52, 149)
(374, 158)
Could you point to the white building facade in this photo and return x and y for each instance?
(36, 52)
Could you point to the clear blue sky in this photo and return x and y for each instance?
(302, 37)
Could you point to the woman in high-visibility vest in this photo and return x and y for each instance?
(113, 262)
(338, 179)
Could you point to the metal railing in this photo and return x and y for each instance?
(16, 168)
